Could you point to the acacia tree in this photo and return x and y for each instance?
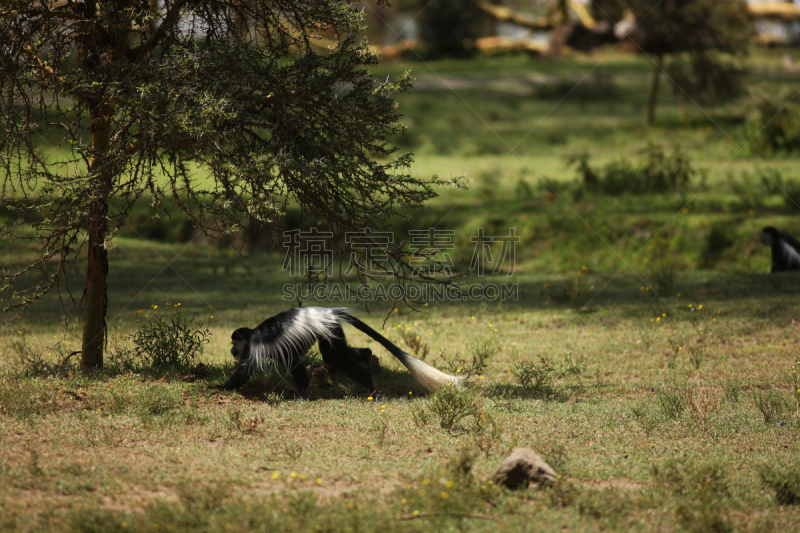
(694, 27)
(133, 94)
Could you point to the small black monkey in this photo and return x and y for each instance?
(785, 249)
(286, 337)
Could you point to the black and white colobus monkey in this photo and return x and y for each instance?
(785, 249)
(286, 337)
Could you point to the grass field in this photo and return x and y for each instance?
(648, 356)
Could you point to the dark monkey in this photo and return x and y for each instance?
(785, 249)
(286, 337)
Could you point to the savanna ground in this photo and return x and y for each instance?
(648, 355)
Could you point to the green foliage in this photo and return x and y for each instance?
(772, 404)
(720, 238)
(579, 289)
(165, 342)
(707, 78)
(672, 403)
(697, 354)
(773, 122)
(241, 421)
(696, 26)
(702, 405)
(415, 343)
(35, 365)
(663, 263)
(658, 172)
(536, 378)
(482, 350)
(255, 117)
(572, 366)
(732, 389)
(784, 481)
(642, 413)
(455, 409)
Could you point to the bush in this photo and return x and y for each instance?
(707, 78)
(658, 172)
(672, 403)
(456, 409)
(772, 404)
(536, 378)
(168, 342)
(774, 123)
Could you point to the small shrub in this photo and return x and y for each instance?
(293, 449)
(672, 403)
(772, 404)
(239, 421)
(697, 354)
(572, 366)
(658, 173)
(456, 409)
(605, 503)
(702, 405)
(489, 434)
(556, 456)
(785, 481)
(774, 123)
(578, 289)
(380, 425)
(420, 415)
(706, 78)
(536, 378)
(169, 342)
(753, 189)
(482, 348)
(34, 364)
(414, 342)
(732, 389)
(663, 263)
(643, 415)
(719, 239)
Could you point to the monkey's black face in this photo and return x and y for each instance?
(239, 350)
(766, 239)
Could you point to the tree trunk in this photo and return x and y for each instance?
(94, 318)
(651, 104)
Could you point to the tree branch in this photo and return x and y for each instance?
(42, 13)
(170, 21)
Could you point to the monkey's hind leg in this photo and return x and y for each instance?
(346, 360)
(301, 379)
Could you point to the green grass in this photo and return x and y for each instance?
(666, 402)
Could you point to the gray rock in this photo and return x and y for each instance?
(523, 468)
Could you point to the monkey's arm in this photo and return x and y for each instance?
(238, 378)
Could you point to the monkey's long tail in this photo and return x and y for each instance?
(428, 376)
